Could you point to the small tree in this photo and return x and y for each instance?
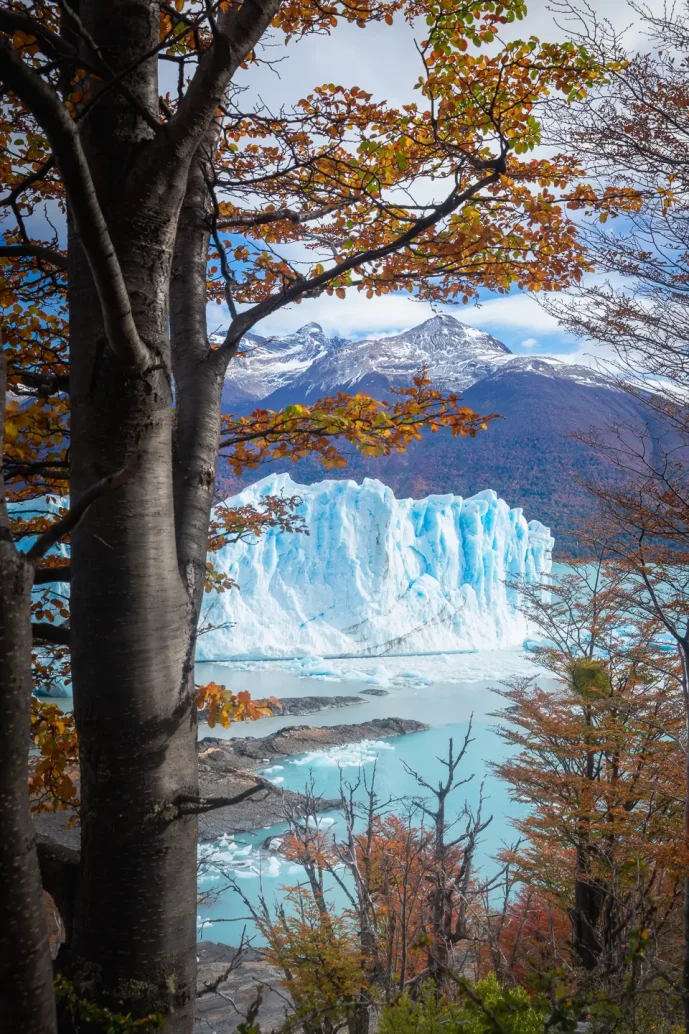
(599, 761)
(413, 907)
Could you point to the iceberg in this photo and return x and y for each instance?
(375, 576)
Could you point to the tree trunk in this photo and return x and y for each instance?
(198, 375)
(587, 907)
(27, 1003)
(134, 937)
(683, 646)
(134, 930)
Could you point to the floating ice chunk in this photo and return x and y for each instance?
(314, 667)
(350, 755)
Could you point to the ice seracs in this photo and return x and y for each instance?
(375, 575)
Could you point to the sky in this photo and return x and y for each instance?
(383, 61)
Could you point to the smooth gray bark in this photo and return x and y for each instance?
(134, 926)
(26, 980)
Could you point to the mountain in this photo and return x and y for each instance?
(308, 364)
(375, 575)
(265, 365)
(529, 457)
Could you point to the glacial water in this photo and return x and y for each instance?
(444, 691)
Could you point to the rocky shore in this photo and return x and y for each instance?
(226, 769)
(252, 751)
(227, 986)
(311, 705)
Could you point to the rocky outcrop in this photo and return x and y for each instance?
(251, 751)
(219, 776)
(310, 705)
(225, 770)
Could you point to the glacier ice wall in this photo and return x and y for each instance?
(376, 575)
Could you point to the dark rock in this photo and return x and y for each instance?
(376, 692)
(219, 776)
(250, 752)
(310, 705)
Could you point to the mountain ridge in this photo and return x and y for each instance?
(308, 363)
(532, 457)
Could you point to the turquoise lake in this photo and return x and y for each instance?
(444, 692)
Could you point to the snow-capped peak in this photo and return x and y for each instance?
(311, 363)
(308, 364)
(265, 365)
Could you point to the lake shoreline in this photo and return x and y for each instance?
(226, 769)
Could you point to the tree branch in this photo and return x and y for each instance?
(43, 631)
(49, 575)
(289, 215)
(34, 251)
(200, 805)
(63, 137)
(246, 320)
(27, 182)
(237, 32)
(51, 42)
(62, 527)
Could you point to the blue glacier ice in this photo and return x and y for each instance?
(375, 575)
(27, 509)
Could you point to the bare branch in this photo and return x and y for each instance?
(200, 805)
(237, 31)
(34, 251)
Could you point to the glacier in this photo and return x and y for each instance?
(375, 576)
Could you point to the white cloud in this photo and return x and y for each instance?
(513, 312)
(586, 353)
(355, 316)
(383, 60)
(351, 317)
